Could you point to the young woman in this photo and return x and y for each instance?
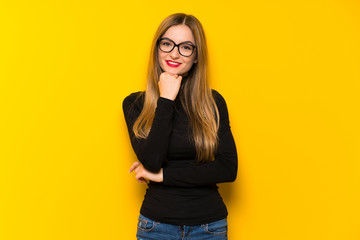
(179, 130)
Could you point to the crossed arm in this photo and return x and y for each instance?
(151, 152)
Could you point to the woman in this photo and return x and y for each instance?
(179, 130)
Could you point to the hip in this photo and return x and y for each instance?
(148, 229)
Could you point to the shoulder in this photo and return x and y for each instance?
(219, 99)
(134, 99)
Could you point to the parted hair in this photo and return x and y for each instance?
(195, 94)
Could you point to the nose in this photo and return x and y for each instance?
(175, 52)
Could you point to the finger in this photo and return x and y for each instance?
(139, 175)
(140, 178)
(173, 74)
(139, 169)
(144, 180)
(133, 166)
(179, 78)
(170, 74)
(142, 175)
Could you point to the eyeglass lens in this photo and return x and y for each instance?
(185, 49)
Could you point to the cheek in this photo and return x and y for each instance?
(160, 55)
(189, 63)
(161, 59)
(192, 60)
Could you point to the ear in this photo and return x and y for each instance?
(195, 60)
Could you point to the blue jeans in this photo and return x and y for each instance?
(148, 229)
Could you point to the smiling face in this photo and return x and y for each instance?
(173, 62)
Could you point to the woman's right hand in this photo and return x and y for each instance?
(169, 85)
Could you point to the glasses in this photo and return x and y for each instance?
(185, 49)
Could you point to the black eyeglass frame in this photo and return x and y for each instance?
(176, 45)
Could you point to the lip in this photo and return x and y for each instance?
(169, 63)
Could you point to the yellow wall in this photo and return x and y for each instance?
(289, 71)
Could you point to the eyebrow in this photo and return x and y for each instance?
(179, 43)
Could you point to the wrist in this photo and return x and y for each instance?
(161, 175)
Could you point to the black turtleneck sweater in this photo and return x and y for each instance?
(188, 195)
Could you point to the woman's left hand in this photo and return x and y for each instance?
(143, 175)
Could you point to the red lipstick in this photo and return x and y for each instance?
(172, 63)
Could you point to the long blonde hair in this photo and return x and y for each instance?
(195, 93)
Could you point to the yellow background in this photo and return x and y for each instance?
(289, 71)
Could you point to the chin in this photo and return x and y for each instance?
(174, 71)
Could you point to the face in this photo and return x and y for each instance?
(172, 61)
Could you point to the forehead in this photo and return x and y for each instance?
(179, 33)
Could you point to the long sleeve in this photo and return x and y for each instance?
(151, 152)
(222, 169)
(188, 193)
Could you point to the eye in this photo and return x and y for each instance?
(166, 44)
(187, 47)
